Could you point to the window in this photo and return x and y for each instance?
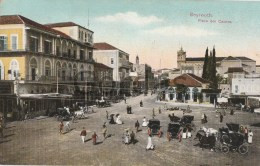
(3, 43)
(112, 61)
(90, 55)
(236, 88)
(79, 34)
(14, 42)
(47, 47)
(69, 53)
(82, 52)
(33, 44)
(58, 50)
(75, 53)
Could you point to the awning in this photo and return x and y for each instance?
(45, 95)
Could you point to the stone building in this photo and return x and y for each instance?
(145, 77)
(194, 65)
(103, 77)
(194, 87)
(118, 60)
(40, 59)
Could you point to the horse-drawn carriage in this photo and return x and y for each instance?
(103, 103)
(232, 140)
(61, 114)
(173, 130)
(172, 108)
(154, 127)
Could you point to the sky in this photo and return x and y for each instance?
(156, 29)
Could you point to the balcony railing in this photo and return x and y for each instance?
(53, 79)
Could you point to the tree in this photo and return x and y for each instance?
(180, 88)
(205, 73)
(209, 67)
(213, 71)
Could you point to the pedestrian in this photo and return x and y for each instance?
(107, 115)
(205, 118)
(160, 111)
(221, 118)
(202, 118)
(231, 112)
(189, 132)
(184, 133)
(132, 137)
(180, 135)
(126, 137)
(137, 125)
(125, 99)
(73, 118)
(246, 133)
(83, 134)
(141, 103)
(94, 138)
(67, 126)
(61, 127)
(250, 137)
(153, 113)
(127, 109)
(150, 145)
(104, 131)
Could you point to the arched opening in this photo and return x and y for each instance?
(74, 71)
(47, 68)
(187, 95)
(33, 69)
(64, 68)
(195, 92)
(14, 69)
(58, 69)
(70, 71)
(82, 73)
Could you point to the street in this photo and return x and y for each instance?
(39, 142)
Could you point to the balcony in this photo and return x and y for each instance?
(124, 64)
(53, 79)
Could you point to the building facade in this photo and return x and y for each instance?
(103, 77)
(38, 59)
(145, 78)
(194, 65)
(118, 60)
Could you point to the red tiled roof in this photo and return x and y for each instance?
(64, 24)
(18, 19)
(104, 46)
(101, 65)
(189, 80)
(219, 58)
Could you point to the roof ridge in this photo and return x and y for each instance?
(19, 16)
(193, 77)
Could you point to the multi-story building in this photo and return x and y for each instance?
(194, 65)
(39, 59)
(103, 77)
(145, 76)
(118, 60)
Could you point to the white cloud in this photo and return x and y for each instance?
(130, 18)
(181, 31)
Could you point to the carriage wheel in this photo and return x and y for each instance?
(243, 149)
(224, 149)
(225, 139)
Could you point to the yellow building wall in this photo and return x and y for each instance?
(7, 62)
(15, 31)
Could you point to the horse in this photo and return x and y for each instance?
(206, 141)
